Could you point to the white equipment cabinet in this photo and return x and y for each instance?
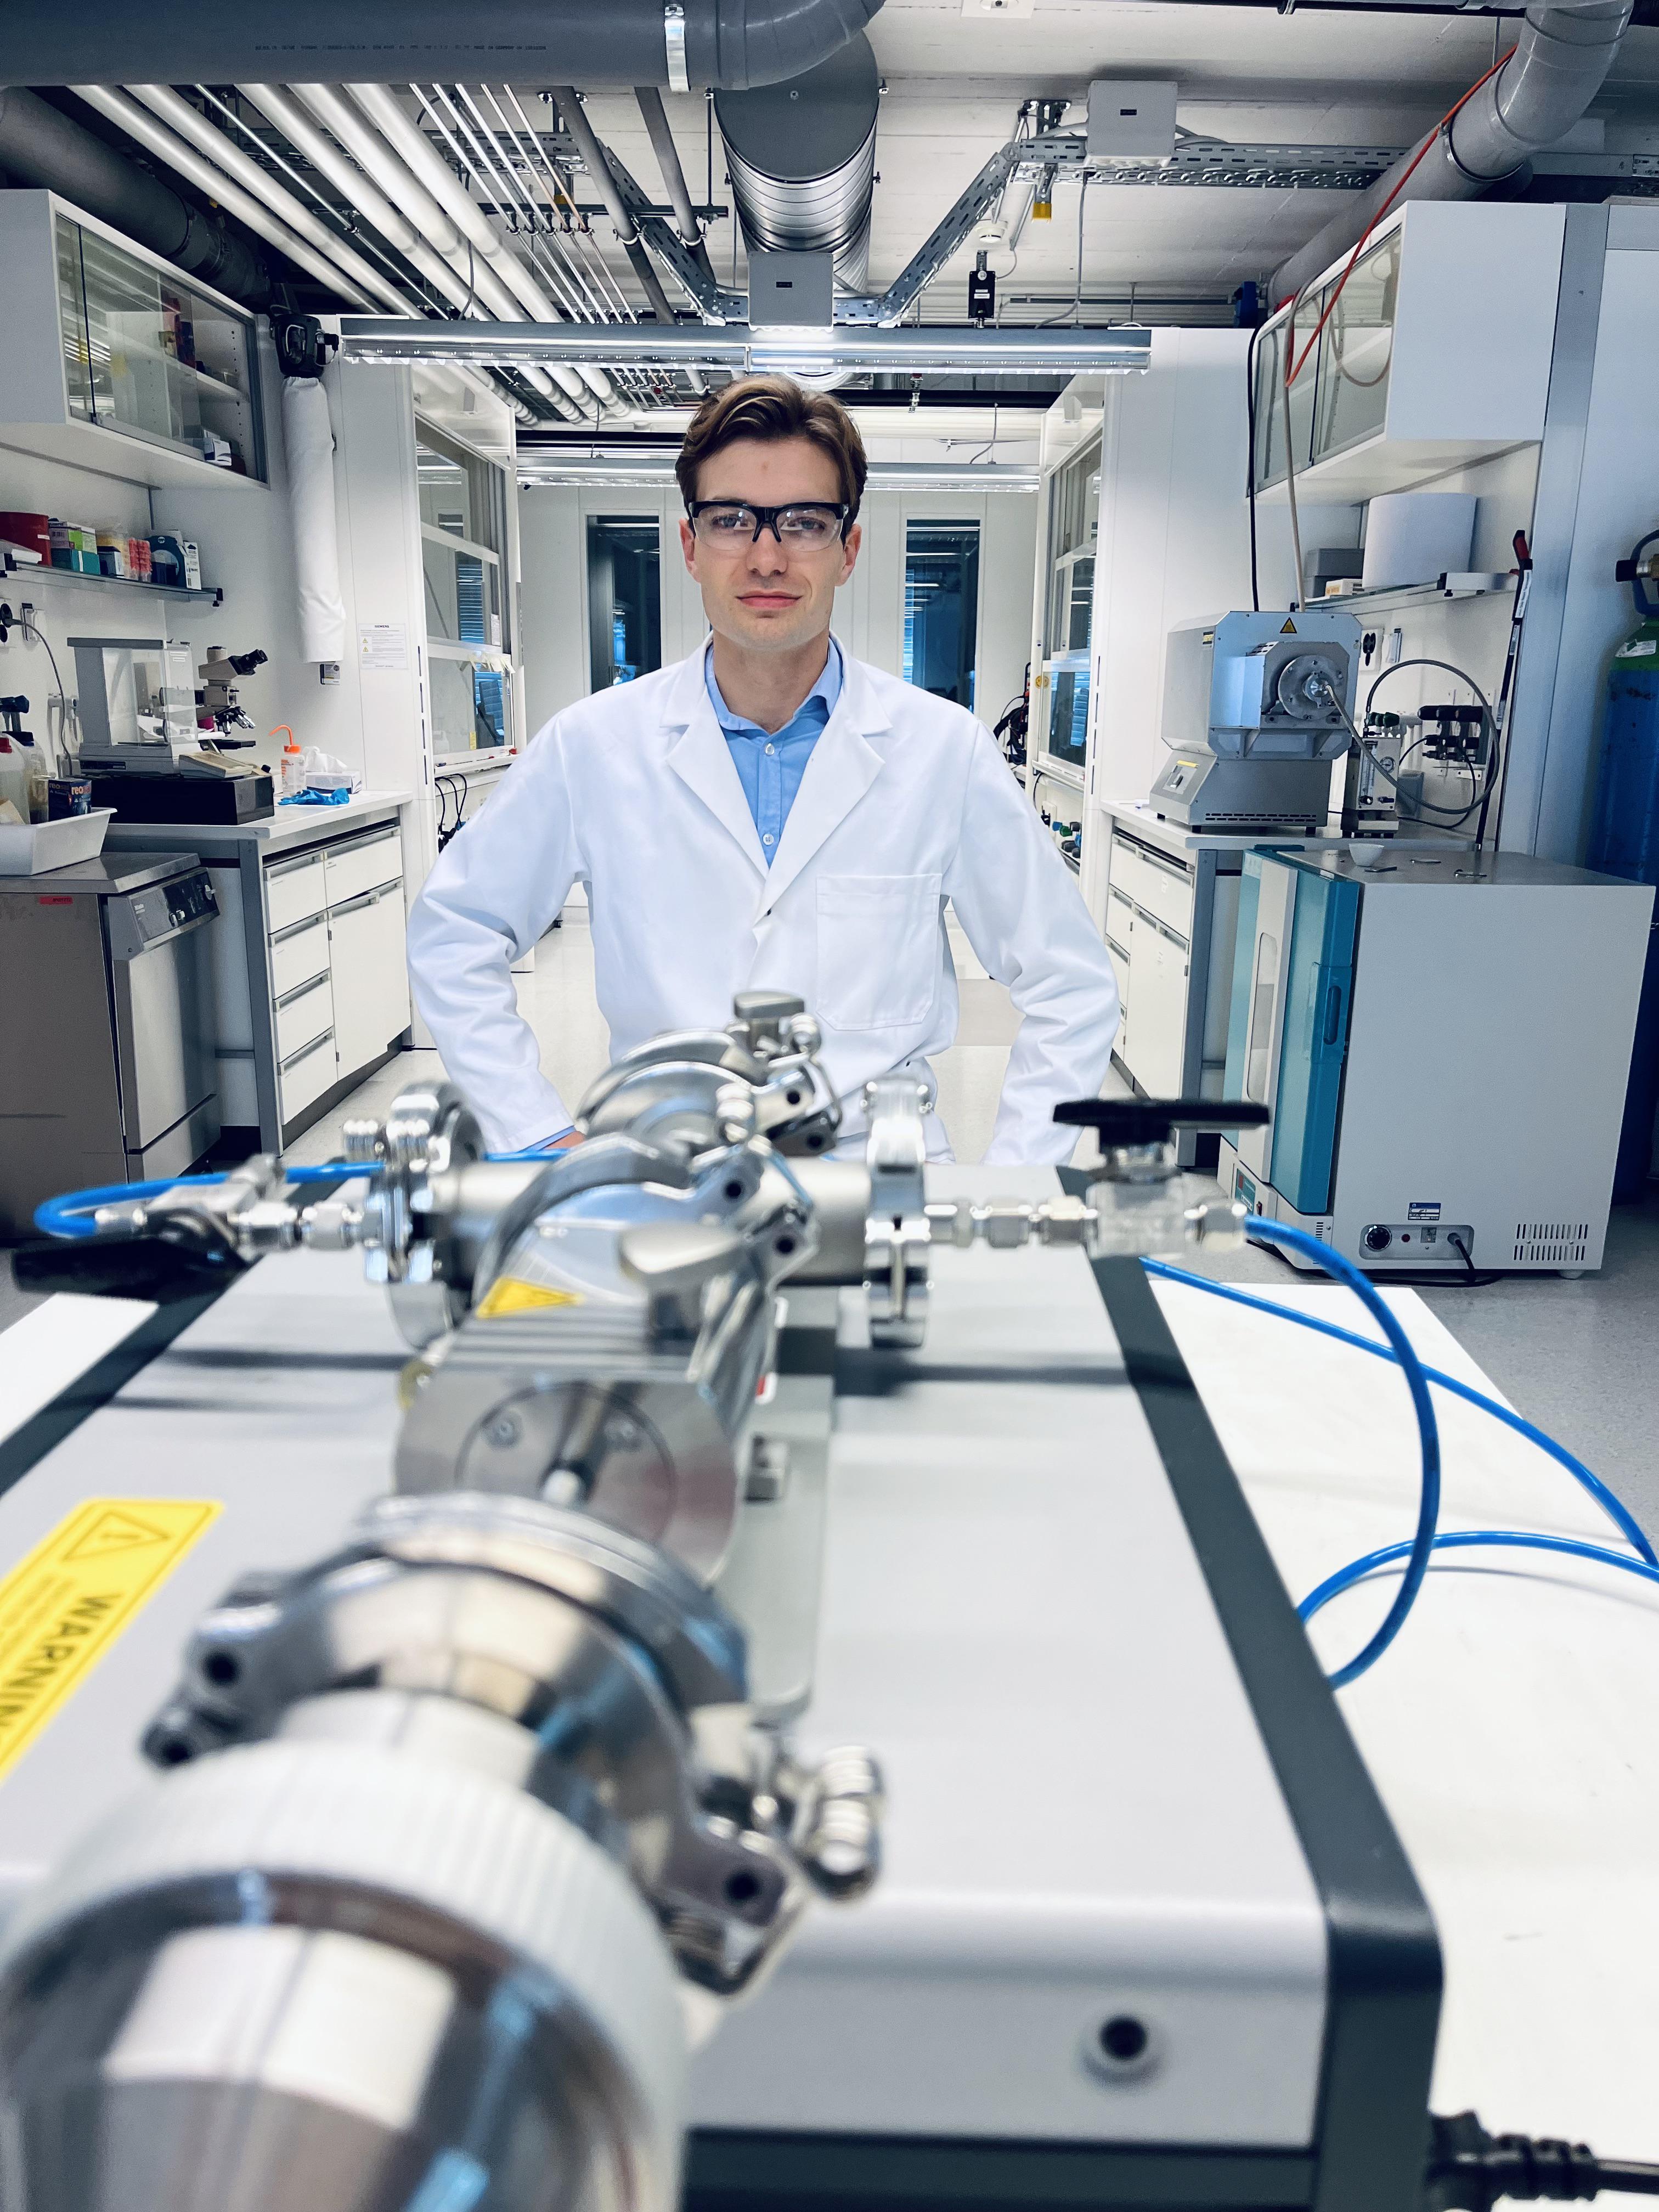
(1443, 1046)
(1171, 913)
(312, 984)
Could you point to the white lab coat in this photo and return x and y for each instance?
(906, 802)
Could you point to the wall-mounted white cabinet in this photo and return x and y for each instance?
(1435, 354)
(113, 361)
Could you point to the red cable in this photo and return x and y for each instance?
(1431, 141)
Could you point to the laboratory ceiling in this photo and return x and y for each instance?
(956, 76)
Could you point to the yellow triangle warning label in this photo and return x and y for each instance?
(114, 1532)
(63, 1608)
(1289, 628)
(510, 1294)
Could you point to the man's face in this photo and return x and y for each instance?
(764, 596)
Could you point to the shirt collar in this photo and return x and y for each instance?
(827, 689)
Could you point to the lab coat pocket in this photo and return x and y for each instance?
(878, 949)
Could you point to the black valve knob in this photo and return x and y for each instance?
(1155, 1121)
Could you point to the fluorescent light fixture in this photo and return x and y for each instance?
(543, 466)
(941, 349)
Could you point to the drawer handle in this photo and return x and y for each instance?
(297, 929)
(311, 983)
(306, 1050)
(1113, 945)
(1155, 859)
(362, 899)
(277, 869)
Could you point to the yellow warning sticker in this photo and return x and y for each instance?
(1287, 628)
(68, 1602)
(511, 1294)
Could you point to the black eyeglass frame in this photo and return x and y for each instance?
(766, 518)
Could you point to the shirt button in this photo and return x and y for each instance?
(771, 749)
(767, 839)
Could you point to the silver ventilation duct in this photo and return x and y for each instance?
(626, 42)
(1560, 62)
(801, 156)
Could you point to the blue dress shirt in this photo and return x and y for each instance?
(770, 765)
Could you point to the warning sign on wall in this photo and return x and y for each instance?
(63, 1608)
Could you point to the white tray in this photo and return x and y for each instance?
(32, 849)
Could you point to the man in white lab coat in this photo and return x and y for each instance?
(772, 813)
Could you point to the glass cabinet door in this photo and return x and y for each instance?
(1357, 350)
(1284, 420)
(146, 354)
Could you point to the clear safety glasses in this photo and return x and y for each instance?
(807, 526)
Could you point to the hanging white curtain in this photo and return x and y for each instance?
(309, 443)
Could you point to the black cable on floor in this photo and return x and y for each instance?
(1472, 2171)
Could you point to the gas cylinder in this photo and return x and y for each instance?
(1624, 839)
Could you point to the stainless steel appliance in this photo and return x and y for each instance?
(1256, 707)
(107, 1066)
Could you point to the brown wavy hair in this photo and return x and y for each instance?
(770, 408)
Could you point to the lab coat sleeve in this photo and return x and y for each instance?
(1025, 917)
(495, 889)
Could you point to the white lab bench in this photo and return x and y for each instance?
(311, 980)
(1507, 1730)
(1172, 915)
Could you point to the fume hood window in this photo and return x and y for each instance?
(624, 598)
(470, 647)
(941, 608)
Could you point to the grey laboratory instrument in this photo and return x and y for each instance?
(488, 1862)
(1256, 707)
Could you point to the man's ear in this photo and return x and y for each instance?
(849, 551)
(688, 545)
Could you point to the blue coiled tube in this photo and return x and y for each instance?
(1616, 1511)
(1420, 1549)
(1455, 1540)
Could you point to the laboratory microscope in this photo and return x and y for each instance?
(490, 1850)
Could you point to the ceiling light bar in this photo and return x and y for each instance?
(939, 348)
(658, 468)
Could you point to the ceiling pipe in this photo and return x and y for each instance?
(168, 147)
(413, 148)
(315, 146)
(668, 162)
(597, 166)
(471, 282)
(625, 42)
(357, 189)
(40, 146)
(1560, 62)
(208, 140)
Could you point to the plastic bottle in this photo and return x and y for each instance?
(291, 775)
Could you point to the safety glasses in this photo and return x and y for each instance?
(805, 526)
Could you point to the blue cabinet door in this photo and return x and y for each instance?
(1318, 985)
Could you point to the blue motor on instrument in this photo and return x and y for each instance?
(1625, 837)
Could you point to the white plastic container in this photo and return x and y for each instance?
(34, 848)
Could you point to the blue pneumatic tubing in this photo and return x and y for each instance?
(1420, 1549)
(1519, 1539)
(1616, 1511)
(70, 1214)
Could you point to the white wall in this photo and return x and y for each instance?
(869, 608)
